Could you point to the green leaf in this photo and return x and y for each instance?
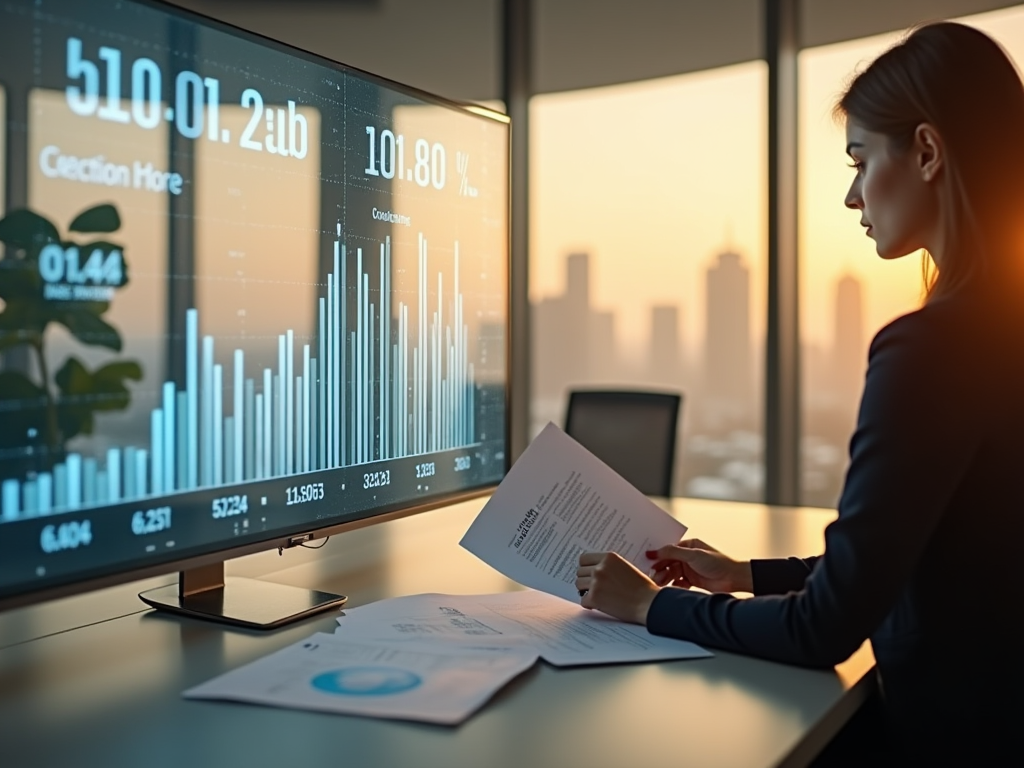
(28, 317)
(118, 371)
(82, 393)
(18, 391)
(100, 218)
(73, 376)
(88, 327)
(74, 420)
(26, 229)
(75, 405)
(23, 318)
(18, 280)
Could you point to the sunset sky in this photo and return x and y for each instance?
(652, 179)
(655, 178)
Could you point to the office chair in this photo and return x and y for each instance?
(632, 432)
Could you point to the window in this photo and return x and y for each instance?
(648, 247)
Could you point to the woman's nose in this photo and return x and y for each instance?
(853, 198)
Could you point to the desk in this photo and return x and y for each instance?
(107, 694)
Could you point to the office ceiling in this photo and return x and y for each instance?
(454, 47)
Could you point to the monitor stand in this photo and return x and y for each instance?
(206, 593)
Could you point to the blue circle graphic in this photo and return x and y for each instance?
(366, 681)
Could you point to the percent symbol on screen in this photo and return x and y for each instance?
(462, 166)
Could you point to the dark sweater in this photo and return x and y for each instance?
(925, 555)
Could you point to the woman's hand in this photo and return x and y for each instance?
(692, 563)
(614, 586)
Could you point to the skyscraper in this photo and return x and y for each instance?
(728, 353)
(562, 332)
(577, 282)
(666, 352)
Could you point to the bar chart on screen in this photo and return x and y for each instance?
(380, 379)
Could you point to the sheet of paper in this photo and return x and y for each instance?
(563, 634)
(400, 681)
(558, 501)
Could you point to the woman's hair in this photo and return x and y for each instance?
(961, 82)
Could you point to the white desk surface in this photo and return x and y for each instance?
(96, 680)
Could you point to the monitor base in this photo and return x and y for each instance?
(206, 593)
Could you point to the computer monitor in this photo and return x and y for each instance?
(248, 297)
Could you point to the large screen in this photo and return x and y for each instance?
(246, 292)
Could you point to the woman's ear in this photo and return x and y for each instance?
(929, 151)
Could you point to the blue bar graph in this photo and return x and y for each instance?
(192, 398)
(368, 388)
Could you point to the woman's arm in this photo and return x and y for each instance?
(781, 575)
(694, 563)
(916, 436)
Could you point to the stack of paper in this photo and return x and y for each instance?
(559, 632)
(437, 685)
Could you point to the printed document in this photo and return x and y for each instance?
(558, 501)
(561, 633)
(331, 674)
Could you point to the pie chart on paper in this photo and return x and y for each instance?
(366, 681)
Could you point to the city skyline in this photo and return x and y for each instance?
(728, 363)
(574, 345)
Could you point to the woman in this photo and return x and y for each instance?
(925, 557)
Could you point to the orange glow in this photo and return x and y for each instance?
(653, 179)
(831, 242)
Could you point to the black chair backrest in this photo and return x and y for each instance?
(632, 432)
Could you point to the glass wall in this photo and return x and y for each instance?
(847, 293)
(648, 250)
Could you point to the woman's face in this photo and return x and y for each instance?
(893, 191)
